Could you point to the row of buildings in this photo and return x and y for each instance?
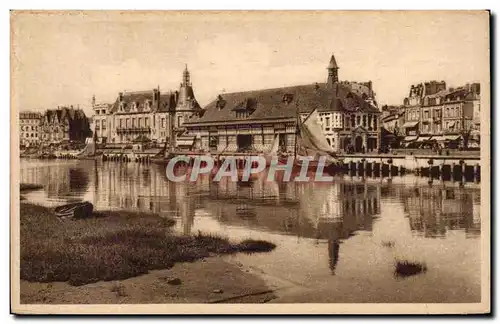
(242, 121)
(434, 112)
(250, 120)
(64, 124)
(145, 116)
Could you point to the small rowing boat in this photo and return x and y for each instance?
(75, 210)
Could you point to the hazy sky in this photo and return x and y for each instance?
(65, 59)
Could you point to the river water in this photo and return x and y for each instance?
(336, 242)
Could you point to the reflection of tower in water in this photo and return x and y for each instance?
(333, 254)
(340, 209)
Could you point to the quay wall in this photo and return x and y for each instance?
(413, 162)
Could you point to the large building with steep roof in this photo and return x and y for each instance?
(149, 115)
(250, 120)
(64, 124)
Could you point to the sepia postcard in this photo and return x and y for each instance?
(250, 162)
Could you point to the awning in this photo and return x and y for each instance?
(423, 138)
(410, 138)
(438, 138)
(452, 124)
(410, 124)
(452, 137)
(185, 141)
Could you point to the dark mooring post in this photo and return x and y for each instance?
(452, 172)
(365, 169)
(441, 171)
(389, 163)
(372, 171)
(464, 170)
(476, 173)
(460, 173)
(430, 162)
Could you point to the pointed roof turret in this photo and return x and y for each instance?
(333, 63)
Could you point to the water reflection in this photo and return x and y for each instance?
(324, 232)
(434, 210)
(332, 212)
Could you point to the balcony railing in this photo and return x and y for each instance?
(451, 131)
(133, 129)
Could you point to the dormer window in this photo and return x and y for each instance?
(220, 103)
(287, 98)
(122, 107)
(245, 108)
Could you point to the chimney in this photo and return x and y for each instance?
(120, 96)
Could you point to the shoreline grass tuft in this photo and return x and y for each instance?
(405, 268)
(111, 246)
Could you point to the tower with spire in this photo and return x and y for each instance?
(186, 103)
(333, 72)
(185, 89)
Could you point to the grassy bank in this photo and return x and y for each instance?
(29, 186)
(109, 246)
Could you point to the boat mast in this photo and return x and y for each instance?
(171, 116)
(296, 126)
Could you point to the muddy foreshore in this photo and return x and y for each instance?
(122, 257)
(210, 280)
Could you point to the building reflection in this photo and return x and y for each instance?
(58, 180)
(433, 210)
(322, 212)
(319, 211)
(333, 211)
(134, 187)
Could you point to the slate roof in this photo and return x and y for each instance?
(167, 101)
(62, 114)
(333, 63)
(282, 103)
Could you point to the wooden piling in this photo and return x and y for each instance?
(431, 163)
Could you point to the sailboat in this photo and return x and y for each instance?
(273, 151)
(311, 142)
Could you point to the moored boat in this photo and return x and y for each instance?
(74, 210)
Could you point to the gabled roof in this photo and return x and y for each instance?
(63, 114)
(281, 103)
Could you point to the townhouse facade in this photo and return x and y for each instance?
(29, 128)
(445, 114)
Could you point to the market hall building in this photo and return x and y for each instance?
(249, 121)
